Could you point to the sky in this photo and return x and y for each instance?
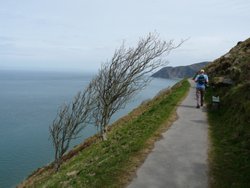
(80, 35)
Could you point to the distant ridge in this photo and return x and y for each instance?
(180, 71)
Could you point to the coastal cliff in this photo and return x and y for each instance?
(110, 163)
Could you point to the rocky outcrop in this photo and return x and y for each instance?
(180, 71)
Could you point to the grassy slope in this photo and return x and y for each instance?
(230, 125)
(230, 136)
(111, 163)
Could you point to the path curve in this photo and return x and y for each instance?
(179, 159)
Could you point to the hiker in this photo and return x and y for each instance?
(201, 80)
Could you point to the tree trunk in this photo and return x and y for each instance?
(104, 133)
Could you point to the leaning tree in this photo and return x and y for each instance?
(116, 83)
(69, 122)
(124, 75)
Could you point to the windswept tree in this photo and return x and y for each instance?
(127, 73)
(115, 84)
(69, 122)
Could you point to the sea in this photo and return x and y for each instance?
(29, 102)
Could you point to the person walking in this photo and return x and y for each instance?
(201, 80)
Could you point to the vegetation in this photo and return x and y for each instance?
(71, 119)
(115, 84)
(230, 123)
(230, 136)
(111, 163)
(124, 75)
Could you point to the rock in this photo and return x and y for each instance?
(227, 55)
(73, 173)
(222, 81)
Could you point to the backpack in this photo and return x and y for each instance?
(201, 79)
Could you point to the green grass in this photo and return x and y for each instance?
(230, 137)
(110, 163)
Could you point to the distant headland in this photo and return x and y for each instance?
(179, 71)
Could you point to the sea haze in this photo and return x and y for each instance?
(29, 102)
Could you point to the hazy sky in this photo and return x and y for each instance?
(81, 34)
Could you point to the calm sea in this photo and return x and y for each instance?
(28, 104)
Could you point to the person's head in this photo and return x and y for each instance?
(202, 71)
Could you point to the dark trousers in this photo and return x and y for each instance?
(200, 96)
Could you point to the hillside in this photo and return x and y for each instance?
(232, 67)
(180, 71)
(110, 164)
(230, 123)
(96, 163)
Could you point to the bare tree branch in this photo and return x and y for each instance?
(115, 84)
(126, 74)
(70, 121)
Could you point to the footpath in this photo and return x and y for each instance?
(179, 159)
